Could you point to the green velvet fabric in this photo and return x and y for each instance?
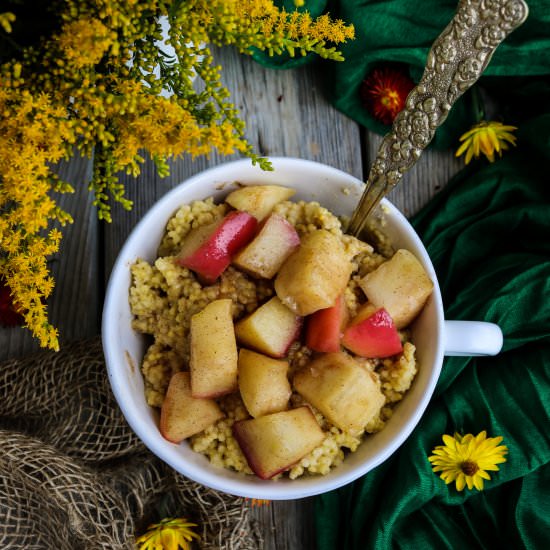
(488, 234)
(402, 31)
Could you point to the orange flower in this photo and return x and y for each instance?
(256, 502)
(384, 92)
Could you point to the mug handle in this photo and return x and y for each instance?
(472, 338)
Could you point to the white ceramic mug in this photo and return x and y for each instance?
(339, 192)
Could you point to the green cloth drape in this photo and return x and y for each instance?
(488, 234)
(402, 31)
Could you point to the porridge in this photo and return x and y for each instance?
(278, 343)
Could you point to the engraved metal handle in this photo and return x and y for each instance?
(455, 62)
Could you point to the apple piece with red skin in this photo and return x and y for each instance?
(400, 285)
(258, 200)
(270, 329)
(315, 274)
(275, 442)
(208, 250)
(372, 333)
(181, 414)
(324, 327)
(273, 244)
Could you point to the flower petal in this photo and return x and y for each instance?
(505, 136)
(462, 148)
(478, 482)
(504, 128)
(475, 143)
(449, 441)
(469, 155)
(485, 144)
(492, 135)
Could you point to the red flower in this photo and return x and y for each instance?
(384, 92)
(9, 313)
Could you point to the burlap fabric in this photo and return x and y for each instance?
(74, 476)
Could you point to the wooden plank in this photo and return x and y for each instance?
(286, 114)
(74, 305)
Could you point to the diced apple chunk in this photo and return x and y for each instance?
(275, 241)
(208, 249)
(401, 286)
(263, 383)
(275, 442)
(372, 333)
(345, 392)
(258, 200)
(183, 415)
(315, 274)
(324, 327)
(271, 329)
(213, 359)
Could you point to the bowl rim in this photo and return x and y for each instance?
(117, 366)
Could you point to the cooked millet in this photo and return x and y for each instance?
(164, 296)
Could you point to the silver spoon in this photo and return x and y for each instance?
(455, 62)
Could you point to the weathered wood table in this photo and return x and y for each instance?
(286, 115)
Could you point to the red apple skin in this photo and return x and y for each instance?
(265, 254)
(324, 327)
(275, 442)
(213, 255)
(374, 337)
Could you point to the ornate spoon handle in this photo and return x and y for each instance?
(455, 61)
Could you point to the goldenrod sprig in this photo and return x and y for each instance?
(102, 84)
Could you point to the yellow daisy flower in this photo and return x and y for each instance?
(169, 534)
(466, 459)
(487, 137)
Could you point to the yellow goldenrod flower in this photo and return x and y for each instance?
(487, 137)
(85, 41)
(169, 534)
(466, 459)
(77, 92)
